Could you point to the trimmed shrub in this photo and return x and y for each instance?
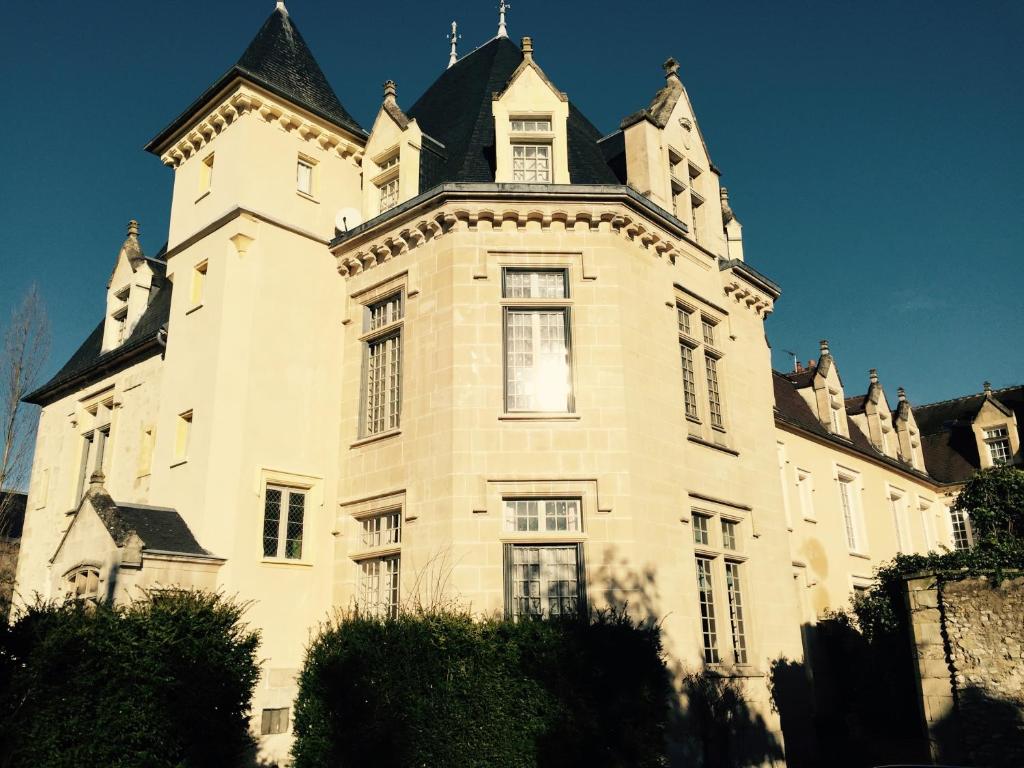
(161, 682)
(440, 688)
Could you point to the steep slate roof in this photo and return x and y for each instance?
(856, 404)
(792, 409)
(160, 528)
(279, 60)
(456, 111)
(950, 449)
(90, 362)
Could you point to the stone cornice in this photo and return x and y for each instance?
(243, 98)
(744, 287)
(608, 208)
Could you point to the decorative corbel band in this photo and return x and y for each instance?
(352, 258)
(249, 101)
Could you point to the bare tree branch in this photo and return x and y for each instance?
(26, 347)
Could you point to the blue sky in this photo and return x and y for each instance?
(873, 150)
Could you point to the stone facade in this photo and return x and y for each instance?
(968, 639)
(241, 405)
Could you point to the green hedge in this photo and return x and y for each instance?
(443, 689)
(160, 682)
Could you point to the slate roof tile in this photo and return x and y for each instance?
(456, 111)
(279, 60)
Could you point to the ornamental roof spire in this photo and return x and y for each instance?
(453, 37)
(502, 30)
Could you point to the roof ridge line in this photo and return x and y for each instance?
(965, 397)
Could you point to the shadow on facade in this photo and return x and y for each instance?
(981, 730)
(712, 723)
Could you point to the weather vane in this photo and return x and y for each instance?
(502, 31)
(454, 37)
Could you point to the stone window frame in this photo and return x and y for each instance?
(844, 476)
(371, 334)
(383, 554)
(312, 487)
(732, 641)
(563, 305)
(97, 414)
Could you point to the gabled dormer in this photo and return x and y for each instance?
(996, 433)
(270, 135)
(871, 413)
(391, 164)
(531, 119)
(907, 432)
(667, 160)
(822, 389)
(127, 290)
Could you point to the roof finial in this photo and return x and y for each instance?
(281, 8)
(390, 90)
(502, 31)
(988, 388)
(671, 67)
(97, 478)
(133, 228)
(901, 393)
(528, 48)
(823, 345)
(454, 38)
(873, 375)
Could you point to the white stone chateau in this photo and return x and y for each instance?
(480, 352)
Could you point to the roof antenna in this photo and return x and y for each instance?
(502, 31)
(454, 37)
(796, 363)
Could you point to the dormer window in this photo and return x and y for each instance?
(531, 150)
(696, 201)
(676, 169)
(531, 126)
(387, 181)
(833, 407)
(120, 314)
(998, 441)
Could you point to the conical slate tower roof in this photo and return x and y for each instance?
(456, 111)
(278, 60)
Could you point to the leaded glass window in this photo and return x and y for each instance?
(284, 513)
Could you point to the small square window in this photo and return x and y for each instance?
(206, 174)
(274, 721)
(182, 436)
(729, 535)
(198, 288)
(304, 176)
(383, 530)
(683, 317)
(701, 534)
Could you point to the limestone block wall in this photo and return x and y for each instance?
(968, 638)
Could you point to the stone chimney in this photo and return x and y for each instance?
(528, 48)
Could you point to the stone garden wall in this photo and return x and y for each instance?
(968, 637)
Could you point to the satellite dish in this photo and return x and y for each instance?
(347, 218)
